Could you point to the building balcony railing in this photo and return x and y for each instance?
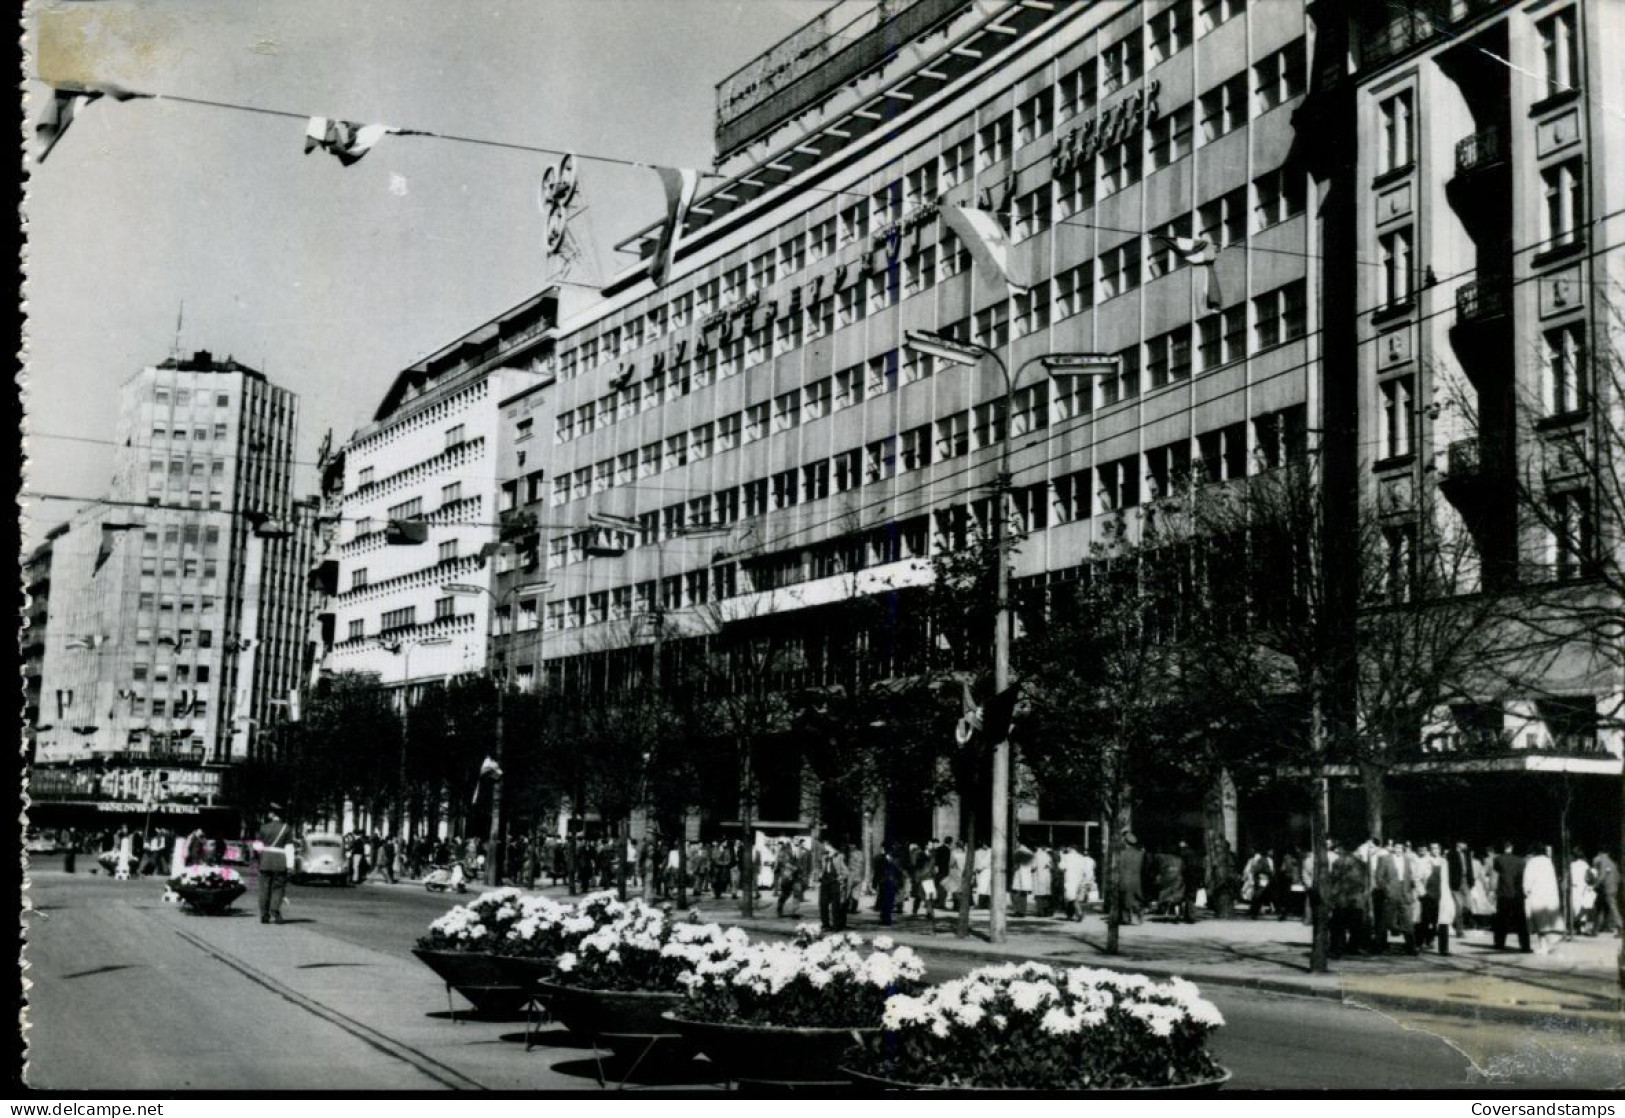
(1484, 298)
(1482, 149)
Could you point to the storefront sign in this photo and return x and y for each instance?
(1133, 114)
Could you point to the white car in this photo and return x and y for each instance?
(321, 857)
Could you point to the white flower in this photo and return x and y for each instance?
(1059, 1022)
(884, 943)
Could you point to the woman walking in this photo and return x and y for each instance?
(1541, 900)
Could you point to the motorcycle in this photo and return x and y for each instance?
(444, 879)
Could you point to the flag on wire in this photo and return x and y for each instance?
(1201, 252)
(680, 184)
(344, 139)
(66, 97)
(985, 238)
(490, 768)
(990, 721)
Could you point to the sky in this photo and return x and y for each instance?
(331, 279)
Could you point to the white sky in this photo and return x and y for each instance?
(332, 279)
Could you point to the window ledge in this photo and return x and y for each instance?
(1560, 420)
(1394, 461)
(1390, 311)
(1554, 101)
(1574, 246)
(1393, 176)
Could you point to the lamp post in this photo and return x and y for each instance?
(493, 842)
(403, 648)
(657, 616)
(1057, 364)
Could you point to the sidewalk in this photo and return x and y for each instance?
(1576, 986)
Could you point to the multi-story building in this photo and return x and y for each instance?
(1489, 203)
(766, 389)
(518, 584)
(37, 584)
(419, 505)
(1389, 206)
(178, 607)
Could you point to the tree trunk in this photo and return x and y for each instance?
(1320, 949)
(1374, 782)
(1219, 813)
(1118, 823)
(967, 880)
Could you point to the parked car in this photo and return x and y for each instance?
(320, 857)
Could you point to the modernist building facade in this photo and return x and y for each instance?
(417, 507)
(177, 611)
(765, 390)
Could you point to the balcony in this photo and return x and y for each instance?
(1465, 478)
(1481, 150)
(1486, 298)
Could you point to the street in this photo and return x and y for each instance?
(133, 994)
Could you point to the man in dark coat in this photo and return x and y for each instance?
(1509, 912)
(1130, 870)
(1606, 880)
(1463, 876)
(1348, 892)
(276, 845)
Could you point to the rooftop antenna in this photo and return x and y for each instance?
(180, 315)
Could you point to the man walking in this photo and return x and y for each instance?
(276, 859)
(1462, 879)
(1509, 911)
(832, 883)
(1605, 875)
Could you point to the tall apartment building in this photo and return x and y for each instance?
(419, 503)
(177, 613)
(1489, 191)
(37, 585)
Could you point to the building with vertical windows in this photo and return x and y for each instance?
(764, 392)
(419, 504)
(36, 616)
(1489, 212)
(1293, 230)
(177, 615)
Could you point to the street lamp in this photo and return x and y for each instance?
(403, 648)
(1057, 364)
(657, 616)
(493, 860)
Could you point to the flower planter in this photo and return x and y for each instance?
(628, 1021)
(209, 900)
(477, 976)
(1199, 1088)
(525, 971)
(773, 1053)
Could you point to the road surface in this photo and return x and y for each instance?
(130, 993)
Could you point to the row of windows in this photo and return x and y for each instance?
(1125, 483)
(1275, 79)
(160, 672)
(1278, 316)
(188, 535)
(182, 398)
(980, 428)
(1277, 196)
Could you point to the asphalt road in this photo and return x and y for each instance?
(129, 993)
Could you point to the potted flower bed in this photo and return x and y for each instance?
(460, 949)
(1031, 1027)
(790, 1012)
(620, 978)
(529, 950)
(208, 890)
